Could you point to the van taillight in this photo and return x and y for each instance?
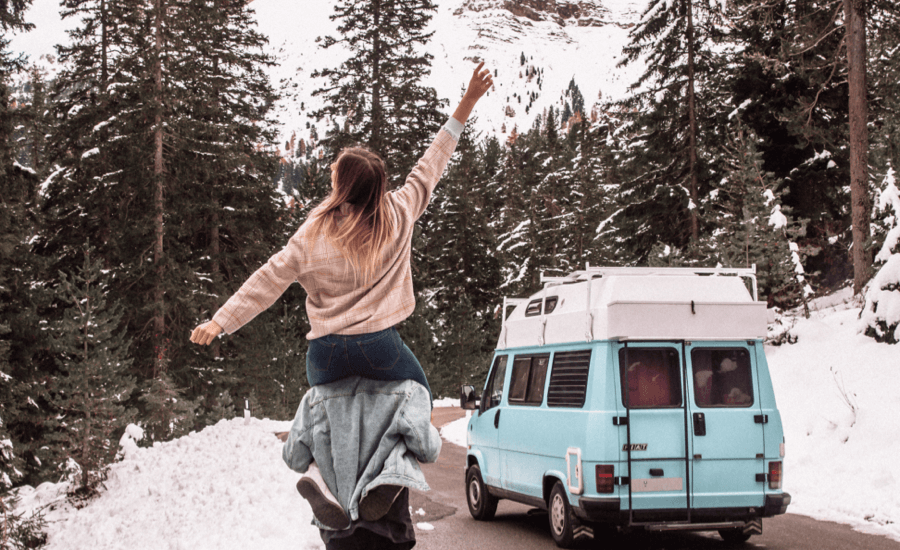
(774, 475)
(605, 480)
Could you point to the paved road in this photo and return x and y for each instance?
(518, 527)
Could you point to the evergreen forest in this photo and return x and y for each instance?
(140, 186)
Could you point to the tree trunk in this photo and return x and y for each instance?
(159, 320)
(215, 248)
(104, 44)
(377, 114)
(692, 113)
(861, 206)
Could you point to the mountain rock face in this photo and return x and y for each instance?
(561, 12)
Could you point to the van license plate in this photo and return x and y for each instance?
(656, 484)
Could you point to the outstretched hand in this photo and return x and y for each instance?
(205, 333)
(480, 83)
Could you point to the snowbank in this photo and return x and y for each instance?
(224, 487)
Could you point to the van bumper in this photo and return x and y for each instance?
(609, 510)
(601, 510)
(776, 504)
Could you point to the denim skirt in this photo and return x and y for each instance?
(378, 355)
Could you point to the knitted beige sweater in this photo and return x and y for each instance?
(336, 304)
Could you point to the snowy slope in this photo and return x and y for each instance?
(466, 31)
(585, 48)
(227, 488)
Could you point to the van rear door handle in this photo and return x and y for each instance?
(497, 419)
(699, 424)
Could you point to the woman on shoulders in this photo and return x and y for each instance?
(352, 256)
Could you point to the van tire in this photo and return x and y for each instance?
(734, 536)
(562, 519)
(482, 504)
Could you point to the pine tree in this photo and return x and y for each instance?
(377, 93)
(456, 252)
(166, 412)
(788, 70)
(168, 172)
(666, 158)
(23, 407)
(752, 226)
(880, 316)
(93, 388)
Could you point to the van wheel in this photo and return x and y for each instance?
(562, 519)
(482, 505)
(734, 536)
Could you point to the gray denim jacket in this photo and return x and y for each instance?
(380, 430)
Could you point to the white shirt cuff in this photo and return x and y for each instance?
(454, 128)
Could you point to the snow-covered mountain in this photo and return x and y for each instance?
(560, 40)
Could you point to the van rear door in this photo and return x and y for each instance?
(653, 427)
(726, 425)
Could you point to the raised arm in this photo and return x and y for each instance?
(416, 192)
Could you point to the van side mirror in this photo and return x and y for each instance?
(467, 398)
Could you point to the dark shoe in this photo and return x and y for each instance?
(378, 502)
(325, 507)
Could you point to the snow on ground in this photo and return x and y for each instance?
(222, 488)
(226, 487)
(839, 397)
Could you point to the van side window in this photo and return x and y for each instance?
(722, 377)
(495, 384)
(653, 377)
(568, 379)
(526, 385)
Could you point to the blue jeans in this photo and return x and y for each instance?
(378, 355)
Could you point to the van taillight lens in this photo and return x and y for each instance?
(774, 475)
(605, 480)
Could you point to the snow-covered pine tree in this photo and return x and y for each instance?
(880, 315)
(460, 271)
(220, 170)
(23, 410)
(664, 161)
(788, 68)
(93, 387)
(515, 182)
(590, 186)
(166, 412)
(378, 93)
(168, 172)
(751, 224)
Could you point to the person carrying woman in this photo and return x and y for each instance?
(352, 256)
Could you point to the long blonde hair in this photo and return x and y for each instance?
(361, 236)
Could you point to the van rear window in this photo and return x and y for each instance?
(651, 377)
(722, 377)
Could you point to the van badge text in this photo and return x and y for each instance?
(635, 447)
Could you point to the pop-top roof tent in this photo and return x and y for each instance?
(639, 303)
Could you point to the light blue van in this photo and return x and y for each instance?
(634, 398)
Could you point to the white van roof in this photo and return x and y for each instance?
(637, 304)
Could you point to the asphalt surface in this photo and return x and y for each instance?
(519, 527)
